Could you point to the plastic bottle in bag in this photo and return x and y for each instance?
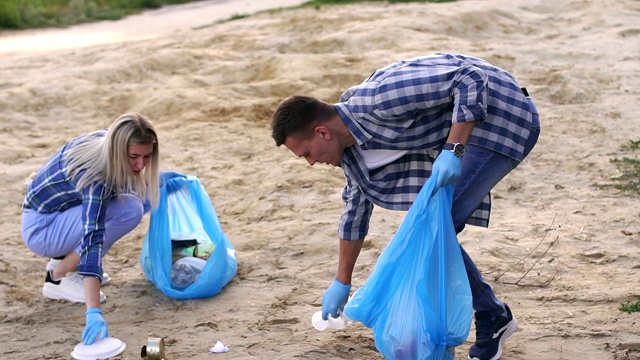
(185, 271)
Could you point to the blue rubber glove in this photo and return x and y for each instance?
(168, 175)
(448, 168)
(334, 299)
(95, 326)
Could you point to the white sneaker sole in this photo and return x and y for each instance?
(513, 326)
(52, 291)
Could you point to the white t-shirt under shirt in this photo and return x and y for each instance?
(377, 158)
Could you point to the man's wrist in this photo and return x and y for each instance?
(458, 149)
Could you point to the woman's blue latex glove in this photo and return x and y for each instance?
(168, 175)
(334, 299)
(448, 168)
(95, 326)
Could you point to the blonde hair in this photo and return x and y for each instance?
(105, 159)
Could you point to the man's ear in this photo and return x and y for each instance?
(322, 131)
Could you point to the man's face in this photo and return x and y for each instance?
(321, 148)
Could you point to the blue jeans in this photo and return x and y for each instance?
(482, 169)
(59, 233)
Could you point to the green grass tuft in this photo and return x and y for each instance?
(26, 14)
(239, 16)
(337, 2)
(318, 3)
(628, 177)
(630, 307)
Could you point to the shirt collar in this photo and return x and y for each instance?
(359, 134)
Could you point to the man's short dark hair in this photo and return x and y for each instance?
(296, 115)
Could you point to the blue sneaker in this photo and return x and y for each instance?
(491, 333)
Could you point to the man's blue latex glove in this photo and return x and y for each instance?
(95, 326)
(334, 299)
(448, 167)
(168, 175)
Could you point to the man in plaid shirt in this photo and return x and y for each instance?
(456, 116)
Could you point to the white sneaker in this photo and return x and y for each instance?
(53, 263)
(105, 279)
(70, 288)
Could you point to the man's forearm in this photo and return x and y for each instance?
(349, 251)
(461, 132)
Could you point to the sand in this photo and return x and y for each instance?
(562, 252)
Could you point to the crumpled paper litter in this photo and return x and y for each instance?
(219, 347)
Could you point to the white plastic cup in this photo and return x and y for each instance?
(338, 323)
(317, 321)
(332, 323)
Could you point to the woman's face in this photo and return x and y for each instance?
(139, 156)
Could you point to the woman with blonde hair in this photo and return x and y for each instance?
(91, 193)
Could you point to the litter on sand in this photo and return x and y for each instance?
(219, 347)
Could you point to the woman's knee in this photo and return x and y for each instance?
(31, 234)
(126, 210)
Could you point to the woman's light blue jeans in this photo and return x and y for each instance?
(59, 233)
(482, 169)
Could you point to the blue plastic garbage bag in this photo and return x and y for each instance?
(417, 300)
(185, 208)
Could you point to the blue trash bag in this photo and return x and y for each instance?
(185, 208)
(417, 300)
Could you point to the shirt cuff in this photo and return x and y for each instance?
(90, 270)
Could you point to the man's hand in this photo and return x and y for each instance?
(334, 299)
(448, 167)
(96, 326)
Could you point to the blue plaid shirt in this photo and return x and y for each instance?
(53, 190)
(410, 105)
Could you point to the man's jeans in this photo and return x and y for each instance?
(482, 169)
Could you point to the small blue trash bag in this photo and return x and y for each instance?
(185, 210)
(417, 300)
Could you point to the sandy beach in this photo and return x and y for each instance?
(561, 251)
